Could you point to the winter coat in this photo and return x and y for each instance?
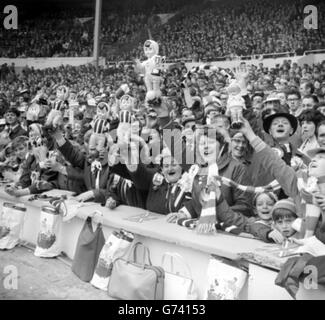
(236, 204)
(159, 198)
(79, 160)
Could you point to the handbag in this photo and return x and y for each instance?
(116, 246)
(136, 280)
(88, 248)
(178, 285)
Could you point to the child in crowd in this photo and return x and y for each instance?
(284, 215)
(275, 218)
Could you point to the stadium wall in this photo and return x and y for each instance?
(42, 63)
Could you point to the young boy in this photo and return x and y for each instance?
(283, 215)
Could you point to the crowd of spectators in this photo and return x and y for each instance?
(282, 133)
(199, 33)
(248, 28)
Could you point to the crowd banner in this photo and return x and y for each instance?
(260, 259)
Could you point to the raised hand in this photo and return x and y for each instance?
(276, 236)
(174, 216)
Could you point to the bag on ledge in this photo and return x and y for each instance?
(115, 247)
(47, 239)
(179, 284)
(89, 245)
(225, 279)
(136, 280)
(11, 224)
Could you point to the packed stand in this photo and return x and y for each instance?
(71, 128)
(208, 32)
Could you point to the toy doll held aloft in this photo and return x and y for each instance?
(152, 68)
(100, 126)
(54, 119)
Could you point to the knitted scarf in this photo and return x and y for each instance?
(308, 186)
(272, 186)
(208, 213)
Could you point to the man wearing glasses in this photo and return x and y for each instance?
(294, 102)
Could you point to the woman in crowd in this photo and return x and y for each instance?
(232, 204)
(309, 120)
(239, 147)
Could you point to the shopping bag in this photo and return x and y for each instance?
(179, 285)
(89, 245)
(115, 247)
(11, 224)
(47, 240)
(134, 279)
(224, 281)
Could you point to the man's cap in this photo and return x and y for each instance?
(271, 98)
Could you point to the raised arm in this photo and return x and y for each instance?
(271, 162)
(72, 154)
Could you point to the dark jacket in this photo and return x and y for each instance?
(79, 160)
(236, 203)
(30, 167)
(258, 229)
(164, 198)
(17, 132)
(123, 191)
(74, 181)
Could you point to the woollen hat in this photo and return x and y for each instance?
(287, 204)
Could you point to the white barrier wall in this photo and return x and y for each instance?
(42, 63)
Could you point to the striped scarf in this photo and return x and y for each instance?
(208, 213)
(308, 186)
(272, 186)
